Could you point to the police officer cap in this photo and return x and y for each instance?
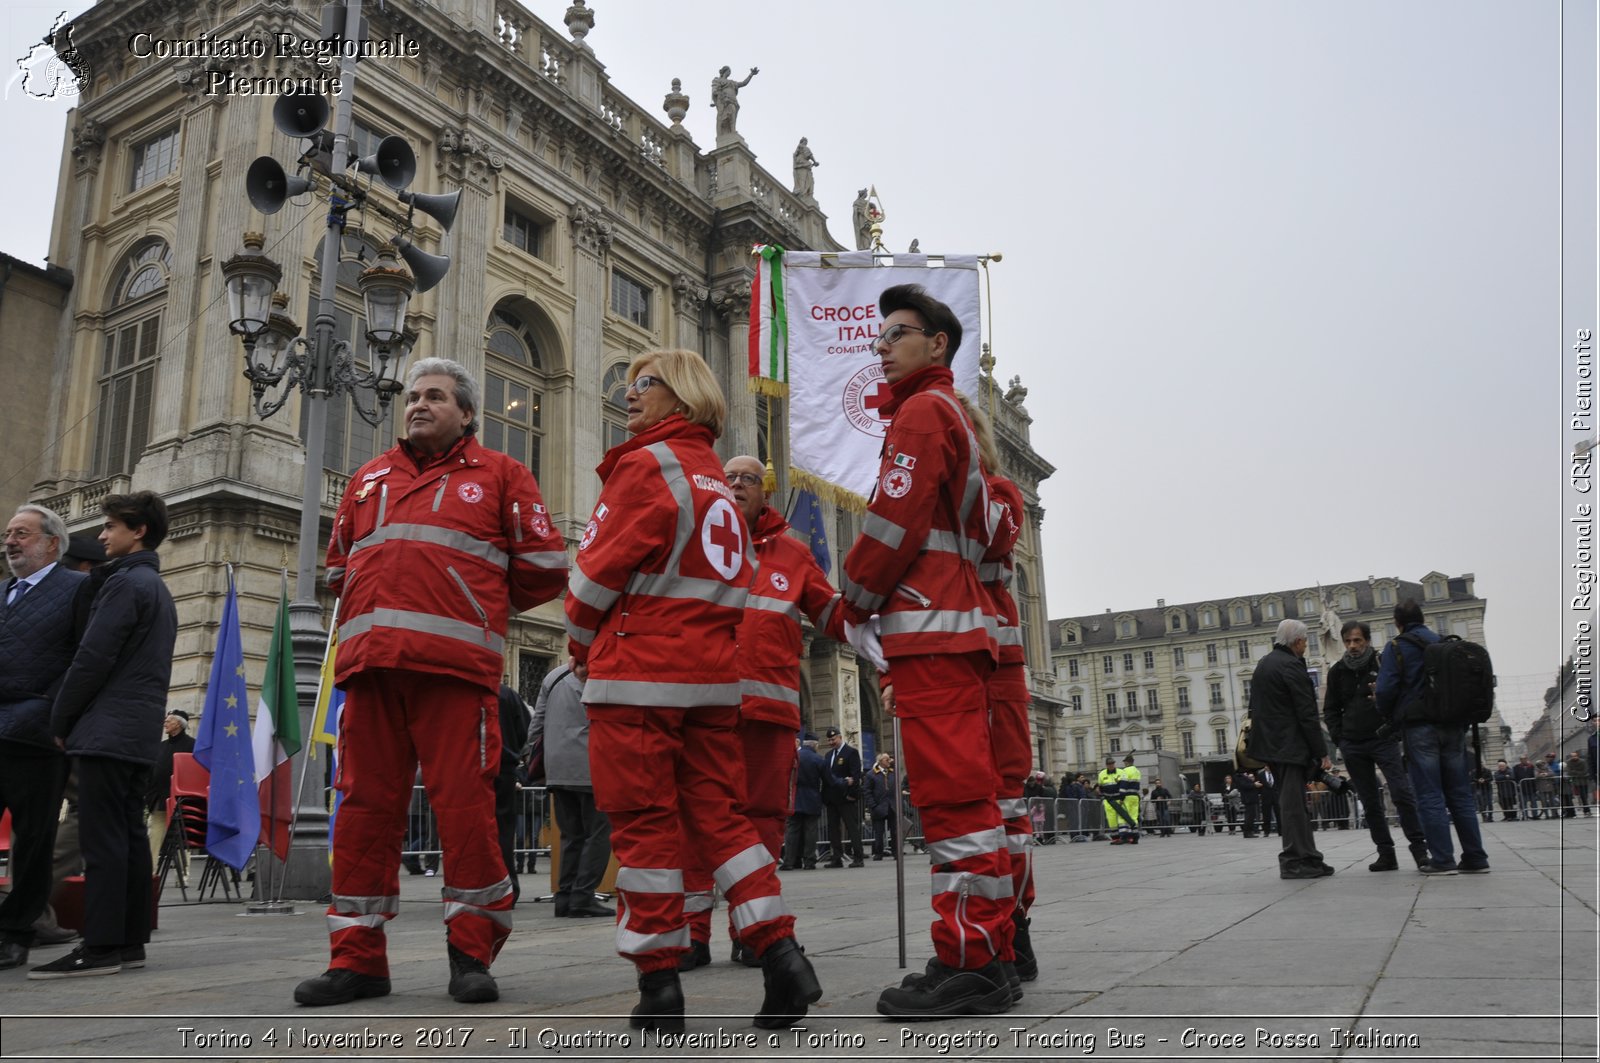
(832, 731)
(1128, 759)
(1111, 760)
(808, 737)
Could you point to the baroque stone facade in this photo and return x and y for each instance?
(1177, 677)
(589, 231)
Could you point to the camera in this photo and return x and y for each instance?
(1334, 783)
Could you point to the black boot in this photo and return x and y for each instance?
(338, 985)
(1385, 861)
(470, 980)
(791, 985)
(1419, 853)
(660, 1004)
(1022, 944)
(699, 955)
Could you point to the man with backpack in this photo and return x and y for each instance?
(1433, 690)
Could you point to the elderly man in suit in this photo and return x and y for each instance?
(37, 641)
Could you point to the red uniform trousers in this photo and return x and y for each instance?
(1013, 757)
(941, 707)
(663, 776)
(768, 767)
(392, 719)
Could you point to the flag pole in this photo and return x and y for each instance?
(310, 742)
(274, 904)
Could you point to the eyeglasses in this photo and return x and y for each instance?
(893, 334)
(644, 382)
(749, 479)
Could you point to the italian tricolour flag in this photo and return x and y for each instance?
(769, 325)
(276, 735)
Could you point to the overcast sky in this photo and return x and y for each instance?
(1281, 278)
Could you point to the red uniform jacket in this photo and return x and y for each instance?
(430, 563)
(787, 583)
(998, 567)
(661, 575)
(927, 527)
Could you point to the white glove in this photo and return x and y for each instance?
(866, 642)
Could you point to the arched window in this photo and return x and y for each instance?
(513, 386)
(615, 405)
(350, 442)
(128, 366)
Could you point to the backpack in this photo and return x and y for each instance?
(1457, 681)
(1242, 760)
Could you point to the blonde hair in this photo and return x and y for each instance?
(687, 374)
(988, 452)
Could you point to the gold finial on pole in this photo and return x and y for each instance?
(876, 215)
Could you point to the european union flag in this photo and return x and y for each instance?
(807, 520)
(223, 748)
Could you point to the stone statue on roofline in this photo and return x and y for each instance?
(725, 98)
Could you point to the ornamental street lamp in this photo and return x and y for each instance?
(278, 360)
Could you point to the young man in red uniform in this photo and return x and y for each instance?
(436, 542)
(916, 567)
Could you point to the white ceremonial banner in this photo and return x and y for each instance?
(836, 384)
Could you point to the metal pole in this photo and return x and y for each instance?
(899, 842)
(311, 876)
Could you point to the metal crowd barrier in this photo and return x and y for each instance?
(422, 848)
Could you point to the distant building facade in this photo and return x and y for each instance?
(1177, 677)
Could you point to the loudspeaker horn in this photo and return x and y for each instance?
(428, 269)
(300, 116)
(394, 163)
(269, 188)
(441, 209)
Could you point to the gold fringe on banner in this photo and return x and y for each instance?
(765, 385)
(827, 492)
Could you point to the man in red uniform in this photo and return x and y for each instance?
(916, 567)
(436, 542)
(788, 583)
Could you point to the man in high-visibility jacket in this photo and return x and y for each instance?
(437, 542)
(1110, 781)
(914, 572)
(1130, 777)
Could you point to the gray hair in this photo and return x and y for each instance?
(468, 395)
(1290, 632)
(52, 524)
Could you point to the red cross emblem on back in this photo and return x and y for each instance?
(722, 539)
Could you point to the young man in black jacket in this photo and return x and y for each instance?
(107, 717)
(1353, 722)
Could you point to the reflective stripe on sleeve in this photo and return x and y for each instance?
(550, 560)
(698, 901)
(436, 536)
(596, 596)
(884, 530)
(337, 923)
(930, 621)
(774, 605)
(1012, 807)
(455, 909)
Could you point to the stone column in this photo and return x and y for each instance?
(465, 160)
(732, 302)
(88, 144)
(591, 244)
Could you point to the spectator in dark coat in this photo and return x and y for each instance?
(1285, 733)
(881, 781)
(178, 740)
(1161, 801)
(107, 716)
(800, 835)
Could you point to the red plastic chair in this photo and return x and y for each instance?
(191, 787)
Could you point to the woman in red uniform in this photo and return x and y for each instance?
(655, 599)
